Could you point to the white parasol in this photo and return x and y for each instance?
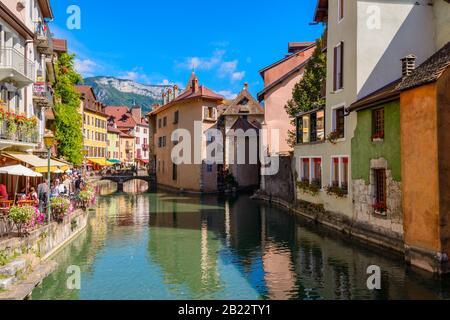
(19, 171)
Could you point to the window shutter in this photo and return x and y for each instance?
(205, 112)
(335, 69)
(341, 71)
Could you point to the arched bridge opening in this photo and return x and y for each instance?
(121, 180)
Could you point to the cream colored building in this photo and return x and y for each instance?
(196, 104)
(365, 42)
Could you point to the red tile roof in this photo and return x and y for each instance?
(114, 130)
(321, 12)
(122, 116)
(201, 92)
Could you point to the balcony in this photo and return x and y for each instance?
(18, 131)
(14, 66)
(42, 96)
(43, 38)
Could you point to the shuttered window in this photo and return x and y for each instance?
(341, 9)
(380, 186)
(378, 123)
(338, 70)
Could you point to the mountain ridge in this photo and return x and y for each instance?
(114, 91)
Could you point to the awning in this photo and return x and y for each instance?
(114, 161)
(100, 161)
(38, 164)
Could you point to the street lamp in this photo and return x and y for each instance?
(85, 154)
(49, 141)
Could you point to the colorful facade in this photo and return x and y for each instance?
(279, 81)
(196, 105)
(95, 123)
(127, 149)
(113, 149)
(425, 153)
(130, 121)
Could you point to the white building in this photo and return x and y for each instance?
(26, 70)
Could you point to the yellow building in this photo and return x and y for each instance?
(95, 128)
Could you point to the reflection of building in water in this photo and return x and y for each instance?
(278, 266)
(183, 243)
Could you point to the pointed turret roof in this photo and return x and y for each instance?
(244, 103)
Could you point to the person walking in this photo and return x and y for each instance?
(42, 195)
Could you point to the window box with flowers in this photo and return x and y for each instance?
(18, 127)
(380, 208)
(335, 136)
(310, 188)
(378, 137)
(337, 191)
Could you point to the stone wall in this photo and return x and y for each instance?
(45, 240)
(389, 224)
(281, 185)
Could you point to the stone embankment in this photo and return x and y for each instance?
(24, 262)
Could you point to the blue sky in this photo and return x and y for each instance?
(156, 42)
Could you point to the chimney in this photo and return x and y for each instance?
(408, 65)
(175, 91)
(169, 95)
(163, 98)
(246, 86)
(195, 85)
(136, 112)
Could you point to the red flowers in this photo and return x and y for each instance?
(19, 119)
(378, 135)
(380, 207)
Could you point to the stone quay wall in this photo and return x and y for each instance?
(44, 241)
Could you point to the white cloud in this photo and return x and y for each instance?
(238, 76)
(86, 67)
(224, 68)
(203, 63)
(227, 94)
(136, 74)
(228, 67)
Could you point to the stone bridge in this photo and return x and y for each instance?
(120, 180)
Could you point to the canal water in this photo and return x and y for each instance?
(170, 246)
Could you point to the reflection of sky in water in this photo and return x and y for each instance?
(166, 246)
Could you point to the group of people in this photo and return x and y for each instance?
(69, 184)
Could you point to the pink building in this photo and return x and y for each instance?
(279, 81)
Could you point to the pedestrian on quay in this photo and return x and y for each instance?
(42, 195)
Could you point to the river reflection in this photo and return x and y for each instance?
(169, 246)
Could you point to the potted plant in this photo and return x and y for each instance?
(60, 208)
(11, 126)
(21, 216)
(334, 136)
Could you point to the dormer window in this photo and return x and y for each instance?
(244, 102)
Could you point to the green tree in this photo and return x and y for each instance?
(68, 118)
(307, 93)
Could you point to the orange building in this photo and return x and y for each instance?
(425, 150)
(196, 104)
